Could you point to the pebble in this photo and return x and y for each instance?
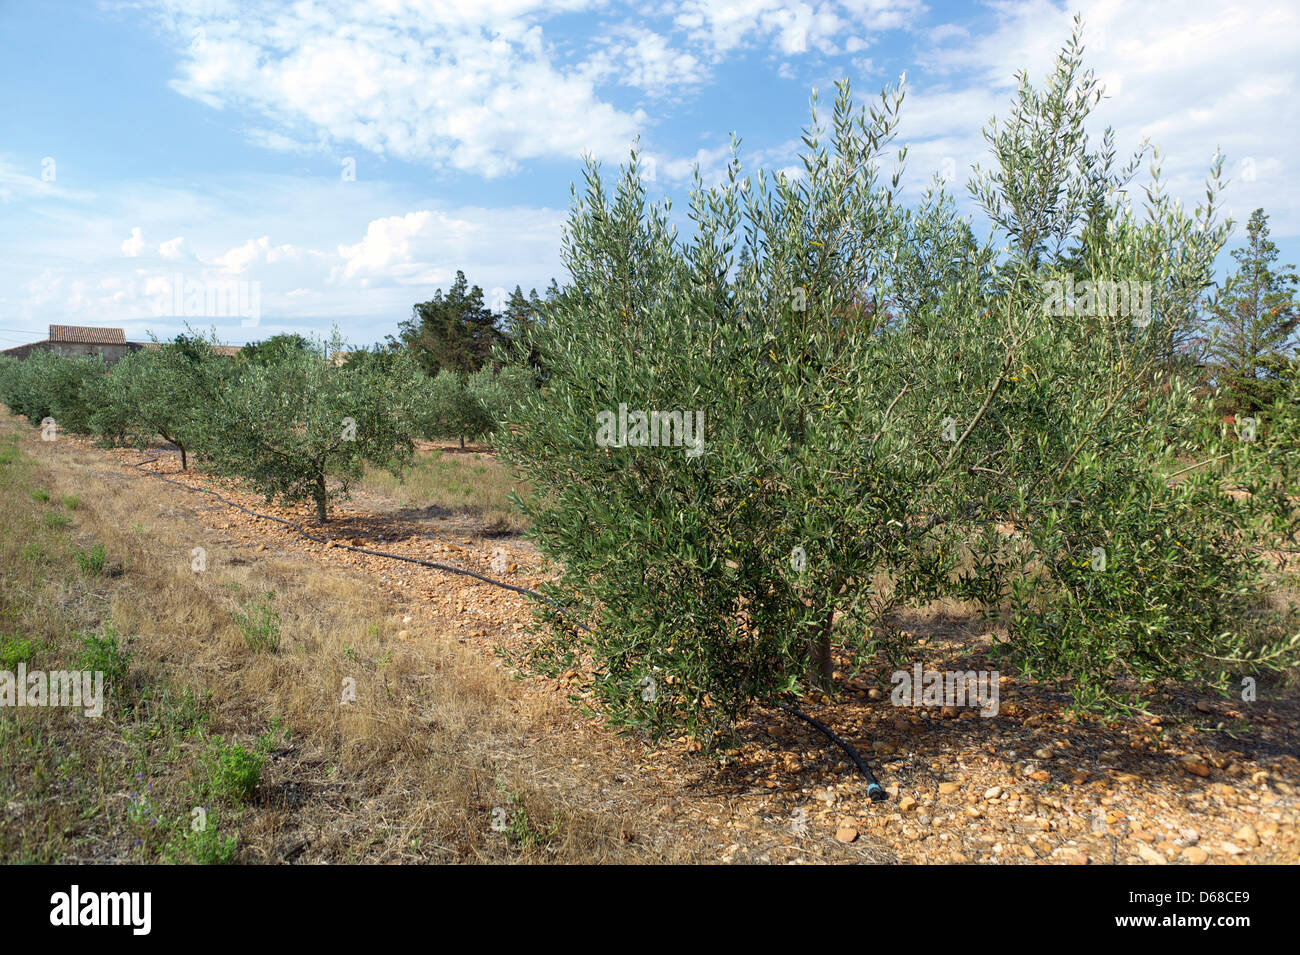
(846, 835)
(1151, 857)
(993, 792)
(947, 789)
(1247, 834)
(1045, 753)
(1195, 855)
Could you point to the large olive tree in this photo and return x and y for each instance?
(882, 409)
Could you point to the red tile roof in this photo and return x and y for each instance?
(85, 335)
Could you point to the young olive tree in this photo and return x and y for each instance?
(765, 438)
(497, 392)
(48, 385)
(447, 408)
(302, 427)
(166, 392)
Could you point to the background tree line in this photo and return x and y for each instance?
(296, 418)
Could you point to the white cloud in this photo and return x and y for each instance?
(316, 260)
(1189, 74)
(641, 58)
(426, 247)
(256, 251)
(134, 245)
(791, 26)
(172, 248)
(473, 87)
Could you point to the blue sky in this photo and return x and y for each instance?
(214, 140)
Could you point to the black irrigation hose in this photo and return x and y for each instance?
(874, 790)
(361, 550)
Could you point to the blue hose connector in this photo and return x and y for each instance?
(875, 792)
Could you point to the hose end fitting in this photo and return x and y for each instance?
(876, 793)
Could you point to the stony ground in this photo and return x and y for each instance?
(1207, 781)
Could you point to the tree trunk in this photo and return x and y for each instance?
(462, 442)
(820, 664)
(321, 514)
(184, 462)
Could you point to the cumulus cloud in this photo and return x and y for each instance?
(723, 26)
(172, 248)
(134, 244)
(482, 87)
(427, 246)
(637, 57)
(256, 251)
(1191, 75)
(473, 87)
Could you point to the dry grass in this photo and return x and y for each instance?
(412, 767)
(472, 484)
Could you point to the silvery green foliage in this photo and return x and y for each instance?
(496, 392)
(303, 427)
(447, 409)
(47, 385)
(165, 392)
(894, 397)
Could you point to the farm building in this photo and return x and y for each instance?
(78, 341)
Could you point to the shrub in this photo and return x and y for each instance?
(15, 650)
(886, 411)
(230, 771)
(202, 846)
(304, 427)
(92, 562)
(259, 622)
(100, 652)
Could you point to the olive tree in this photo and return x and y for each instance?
(302, 427)
(47, 385)
(165, 392)
(819, 406)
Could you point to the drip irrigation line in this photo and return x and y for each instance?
(874, 790)
(362, 550)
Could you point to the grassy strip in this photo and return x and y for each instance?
(258, 707)
(476, 486)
